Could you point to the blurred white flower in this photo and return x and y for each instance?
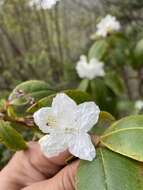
(89, 70)
(107, 25)
(44, 4)
(139, 104)
(67, 125)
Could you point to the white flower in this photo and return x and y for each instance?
(139, 104)
(89, 70)
(67, 125)
(44, 4)
(107, 25)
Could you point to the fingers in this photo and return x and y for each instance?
(64, 180)
(47, 166)
(31, 166)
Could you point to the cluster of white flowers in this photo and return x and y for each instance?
(107, 25)
(67, 125)
(44, 4)
(89, 70)
(139, 104)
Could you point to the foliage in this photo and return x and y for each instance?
(115, 136)
(109, 170)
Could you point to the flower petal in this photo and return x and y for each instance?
(97, 68)
(82, 147)
(107, 25)
(53, 144)
(90, 70)
(87, 116)
(81, 67)
(41, 119)
(64, 109)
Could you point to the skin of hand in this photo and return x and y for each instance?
(31, 170)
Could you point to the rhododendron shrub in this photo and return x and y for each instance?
(100, 122)
(72, 120)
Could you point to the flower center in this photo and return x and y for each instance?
(52, 122)
(109, 29)
(69, 130)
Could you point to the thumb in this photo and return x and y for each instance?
(30, 166)
(64, 180)
(47, 166)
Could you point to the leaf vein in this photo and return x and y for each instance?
(104, 170)
(120, 130)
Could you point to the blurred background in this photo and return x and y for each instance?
(46, 44)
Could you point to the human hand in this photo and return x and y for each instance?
(31, 170)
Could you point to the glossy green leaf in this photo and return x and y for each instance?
(30, 89)
(126, 137)
(76, 95)
(98, 50)
(26, 94)
(115, 83)
(10, 137)
(31, 86)
(109, 171)
(105, 120)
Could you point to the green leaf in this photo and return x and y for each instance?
(126, 137)
(76, 95)
(105, 120)
(119, 50)
(115, 83)
(26, 94)
(98, 50)
(139, 49)
(10, 137)
(103, 96)
(84, 84)
(109, 171)
(139, 54)
(33, 89)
